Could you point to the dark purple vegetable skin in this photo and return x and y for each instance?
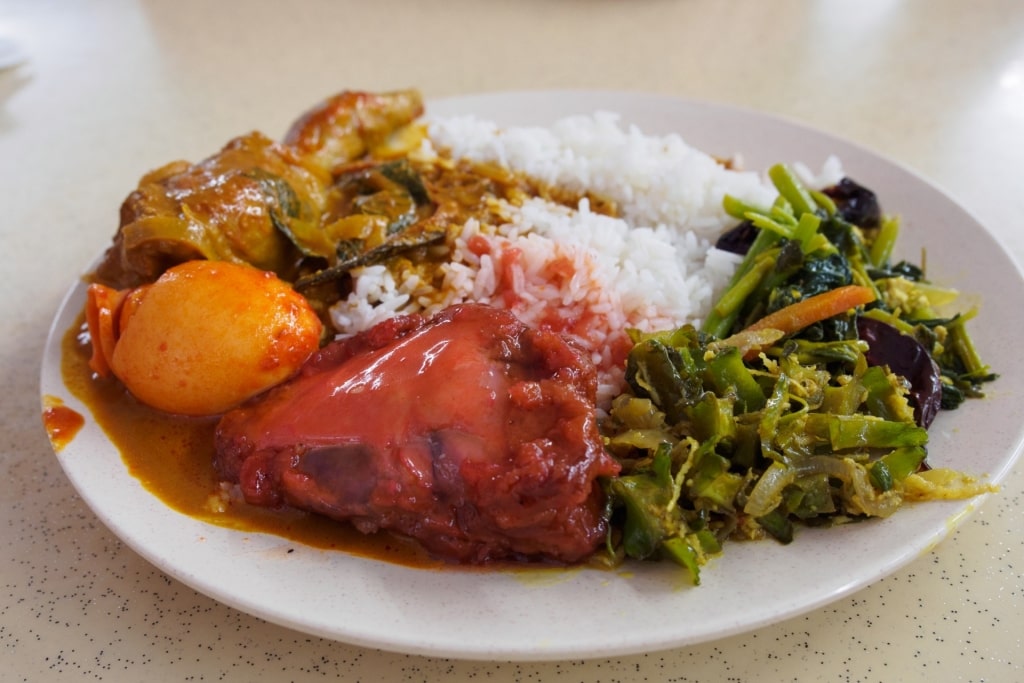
(855, 203)
(906, 357)
(738, 239)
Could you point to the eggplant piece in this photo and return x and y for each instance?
(855, 203)
(908, 358)
(738, 239)
(229, 207)
(256, 201)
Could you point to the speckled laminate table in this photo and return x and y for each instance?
(102, 91)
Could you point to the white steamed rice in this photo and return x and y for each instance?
(587, 274)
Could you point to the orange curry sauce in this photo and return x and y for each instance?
(172, 456)
(61, 422)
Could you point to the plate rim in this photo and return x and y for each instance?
(425, 646)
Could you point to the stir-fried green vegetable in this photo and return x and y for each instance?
(805, 396)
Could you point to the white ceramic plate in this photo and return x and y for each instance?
(588, 613)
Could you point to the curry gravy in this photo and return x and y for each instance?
(61, 423)
(172, 456)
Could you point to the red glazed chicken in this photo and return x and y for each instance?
(468, 431)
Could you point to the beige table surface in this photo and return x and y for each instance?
(109, 89)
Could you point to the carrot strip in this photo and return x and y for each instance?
(101, 312)
(799, 315)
